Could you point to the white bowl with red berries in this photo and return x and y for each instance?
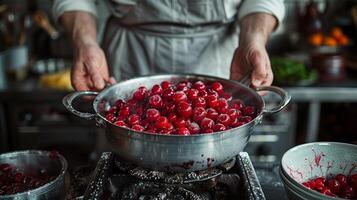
(178, 122)
(321, 170)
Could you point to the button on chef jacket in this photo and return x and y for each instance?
(171, 36)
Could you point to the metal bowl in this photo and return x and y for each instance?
(32, 161)
(175, 152)
(312, 160)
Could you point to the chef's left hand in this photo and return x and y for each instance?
(251, 57)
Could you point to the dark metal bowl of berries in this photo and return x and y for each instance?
(178, 122)
(32, 175)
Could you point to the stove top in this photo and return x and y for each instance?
(114, 179)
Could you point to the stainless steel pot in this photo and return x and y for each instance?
(30, 161)
(173, 152)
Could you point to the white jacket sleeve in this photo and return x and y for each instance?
(274, 7)
(61, 6)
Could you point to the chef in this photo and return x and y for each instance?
(224, 38)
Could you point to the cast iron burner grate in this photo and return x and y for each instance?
(114, 180)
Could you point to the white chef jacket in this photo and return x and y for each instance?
(189, 46)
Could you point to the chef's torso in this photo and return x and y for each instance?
(170, 36)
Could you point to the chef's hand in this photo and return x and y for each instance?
(251, 57)
(90, 71)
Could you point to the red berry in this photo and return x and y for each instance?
(199, 102)
(155, 101)
(353, 181)
(333, 185)
(309, 184)
(162, 123)
(212, 113)
(19, 177)
(207, 123)
(233, 113)
(249, 110)
(182, 87)
(245, 119)
(156, 89)
(133, 119)
(131, 103)
(165, 85)
(202, 93)
(119, 104)
(165, 131)
(125, 111)
(226, 96)
(152, 114)
(179, 96)
(183, 131)
(137, 127)
(184, 109)
(348, 192)
(180, 122)
(219, 127)
(216, 86)
(199, 85)
(236, 123)
(139, 110)
(212, 92)
(328, 193)
(192, 94)
(238, 104)
(170, 107)
(171, 117)
(198, 114)
(193, 127)
(113, 110)
(168, 93)
(341, 179)
(140, 93)
(212, 101)
(222, 104)
(110, 117)
(121, 123)
(320, 183)
(209, 130)
(224, 119)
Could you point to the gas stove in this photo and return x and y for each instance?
(115, 179)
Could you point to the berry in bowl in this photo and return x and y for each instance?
(321, 170)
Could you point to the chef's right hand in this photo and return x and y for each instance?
(90, 70)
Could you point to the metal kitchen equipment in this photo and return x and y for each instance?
(173, 152)
(238, 181)
(38, 160)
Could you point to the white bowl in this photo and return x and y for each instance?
(312, 160)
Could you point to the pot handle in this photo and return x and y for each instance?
(68, 99)
(285, 98)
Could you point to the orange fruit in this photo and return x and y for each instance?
(316, 39)
(330, 41)
(336, 32)
(343, 40)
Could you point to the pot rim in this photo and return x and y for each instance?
(255, 120)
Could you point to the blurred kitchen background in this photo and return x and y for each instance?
(313, 53)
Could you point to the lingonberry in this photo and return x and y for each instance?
(183, 131)
(140, 93)
(156, 89)
(179, 96)
(165, 85)
(184, 109)
(199, 102)
(334, 186)
(121, 123)
(192, 94)
(212, 113)
(137, 127)
(155, 101)
(207, 123)
(248, 110)
(152, 114)
(212, 101)
(218, 87)
(224, 119)
(199, 85)
(198, 114)
(193, 127)
(219, 127)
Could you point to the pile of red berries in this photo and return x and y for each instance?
(183, 109)
(13, 181)
(338, 186)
